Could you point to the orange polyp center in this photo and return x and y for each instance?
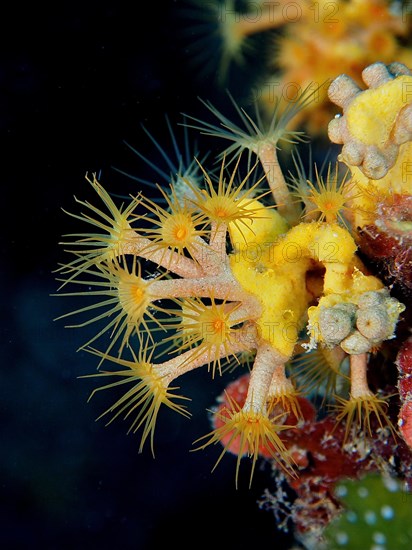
(138, 294)
(380, 42)
(181, 233)
(177, 231)
(330, 205)
(218, 325)
(221, 208)
(220, 213)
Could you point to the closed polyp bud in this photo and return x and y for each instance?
(334, 324)
(371, 298)
(347, 307)
(356, 343)
(374, 323)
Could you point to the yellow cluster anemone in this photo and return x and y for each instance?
(149, 391)
(92, 248)
(230, 274)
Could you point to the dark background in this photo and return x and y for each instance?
(76, 80)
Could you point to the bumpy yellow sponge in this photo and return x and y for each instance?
(376, 132)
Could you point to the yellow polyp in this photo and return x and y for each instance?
(206, 330)
(133, 296)
(149, 390)
(249, 431)
(178, 229)
(357, 413)
(329, 205)
(327, 198)
(93, 248)
(220, 208)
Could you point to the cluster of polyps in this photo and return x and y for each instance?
(234, 281)
(314, 39)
